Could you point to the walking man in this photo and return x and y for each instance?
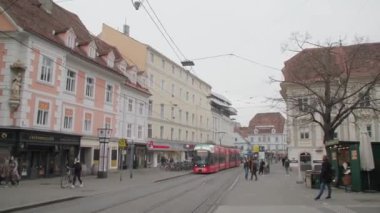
(253, 168)
(261, 167)
(325, 178)
(77, 173)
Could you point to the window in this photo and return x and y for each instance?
(193, 119)
(180, 92)
(139, 131)
(109, 93)
(110, 59)
(173, 90)
(201, 138)
(193, 98)
(70, 81)
(141, 108)
(304, 133)
(46, 74)
(187, 96)
(150, 133)
(179, 134)
(180, 115)
(192, 136)
(92, 51)
(130, 105)
(42, 113)
(369, 130)
(152, 57)
(163, 63)
(187, 136)
(365, 100)
(161, 132)
(87, 122)
(151, 80)
(162, 85)
(150, 108)
(173, 115)
(162, 112)
(70, 40)
(171, 133)
(187, 117)
(89, 87)
(129, 130)
(107, 123)
(68, 119)
(201, 120)
(303, 104)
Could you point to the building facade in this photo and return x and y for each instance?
(179, 111)
(268, 130)
(58, 85)
(305, 138)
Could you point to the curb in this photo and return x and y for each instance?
(29, 206)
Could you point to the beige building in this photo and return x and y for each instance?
(179, 109)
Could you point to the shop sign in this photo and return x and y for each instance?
(256, 148)
(332, 142)
(152, 145)
(122, 143)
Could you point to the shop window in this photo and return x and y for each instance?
(113, 157)
(96, 154)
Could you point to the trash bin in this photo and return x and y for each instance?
(315, 180)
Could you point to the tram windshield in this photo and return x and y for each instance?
(201, 157)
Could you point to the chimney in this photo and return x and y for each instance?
(126, 29)
(47, 5)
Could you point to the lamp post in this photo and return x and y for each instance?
(104, 134)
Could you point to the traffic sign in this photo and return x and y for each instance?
(122, 143)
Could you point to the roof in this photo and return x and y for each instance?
(31, 16)
(361, 59)
(265, 122)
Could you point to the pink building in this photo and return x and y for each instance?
(58, 85)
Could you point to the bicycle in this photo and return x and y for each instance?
(67, 179)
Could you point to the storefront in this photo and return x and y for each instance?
(341, 152)
(39, 154)
(178, 152)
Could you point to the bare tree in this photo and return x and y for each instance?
(325, 84)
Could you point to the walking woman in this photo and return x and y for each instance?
(253, 168)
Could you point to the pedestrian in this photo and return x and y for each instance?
(261, 167)
(286, 165)
(14, 176)
(245, 166)
(253, 168)
(77, 173)
(325, 178)
(2, 173)
(283, 161)
(346, 176)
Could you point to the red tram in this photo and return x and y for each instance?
(210, 158)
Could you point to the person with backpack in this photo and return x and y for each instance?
(325, 178)
(77, 173)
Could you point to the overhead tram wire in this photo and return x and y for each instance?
(159, 29)
(163, 27)
(239, 57)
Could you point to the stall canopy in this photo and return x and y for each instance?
(366, 155)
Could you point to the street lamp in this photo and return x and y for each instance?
(104, 134)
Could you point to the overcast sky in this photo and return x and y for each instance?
(253, 30)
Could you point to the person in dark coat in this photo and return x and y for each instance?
(246, 168)
(77, 173)
(253, 168)
(325, 178)
(261, 167)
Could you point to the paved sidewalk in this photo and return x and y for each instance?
(48, 190)
(277, 192)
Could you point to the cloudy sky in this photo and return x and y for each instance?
(210, 31)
